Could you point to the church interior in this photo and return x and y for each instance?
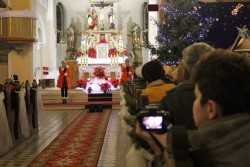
(95, 38)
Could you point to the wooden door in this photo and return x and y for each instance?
(73, 65)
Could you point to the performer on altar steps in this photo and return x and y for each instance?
(127, 71)
(64, 81)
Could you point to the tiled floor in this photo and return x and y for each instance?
(55, 122)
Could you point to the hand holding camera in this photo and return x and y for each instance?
(154, 120)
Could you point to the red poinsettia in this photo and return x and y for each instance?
(92, 53)
(105, 87)
(79, 54)
(115, 82)
(112, 52)
(124, 52)
(99, 72)
(81, 83)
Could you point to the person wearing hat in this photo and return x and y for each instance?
(154, 74)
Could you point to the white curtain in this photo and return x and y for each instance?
(23, 117)
(5, 139)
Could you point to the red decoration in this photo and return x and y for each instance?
(105, 87)
(112, 52)
(81, 83)
(124, 52)
(115, 82)
(99, 72)
(78, 54)
(92, 53)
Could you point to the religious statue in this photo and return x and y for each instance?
(72, 32)
(136, 35)
(89, 20)
(111, 19)
(94, 19)
(120, 44)
(102, 17)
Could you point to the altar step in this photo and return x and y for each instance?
(77, 100)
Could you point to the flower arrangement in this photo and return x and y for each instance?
(124, 52)
(81, 83)
(92, 53)
(112, 52)
(79, 54)
(99, 72)
(115, 82)
(105, 87)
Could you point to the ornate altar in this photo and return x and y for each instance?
(101, 48)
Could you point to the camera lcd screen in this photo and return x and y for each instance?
(152, 122)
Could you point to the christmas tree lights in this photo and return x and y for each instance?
(182, 25)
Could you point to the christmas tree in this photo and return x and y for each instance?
(2, 4)
(181, 25)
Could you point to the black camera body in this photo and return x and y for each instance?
(154, 120)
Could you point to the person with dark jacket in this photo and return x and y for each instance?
(179, 101)
(221, 112)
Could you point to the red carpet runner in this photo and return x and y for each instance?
(79, 145)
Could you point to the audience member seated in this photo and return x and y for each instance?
(179, 101)
(221, 113)
(154, 74)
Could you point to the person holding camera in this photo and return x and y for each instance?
(64, 81)
(221, 113)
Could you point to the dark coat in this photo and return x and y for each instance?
(222, 142)
(179, 101)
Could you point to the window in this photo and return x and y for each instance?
(59, 22)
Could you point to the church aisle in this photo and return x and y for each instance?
(54, 123)
(108, 154)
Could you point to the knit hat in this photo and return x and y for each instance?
(152, 71)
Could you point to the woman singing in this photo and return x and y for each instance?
(64, 81)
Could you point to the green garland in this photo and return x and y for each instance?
(131, 119)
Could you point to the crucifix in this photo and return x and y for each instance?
(102, 4)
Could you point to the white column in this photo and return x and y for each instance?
(51, 40)
(152, 30)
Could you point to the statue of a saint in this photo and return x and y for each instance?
(72, 32)
(102, 17)
(89, 20)
(111, 19)
(136, 35)
(94, 19)
(71, 36)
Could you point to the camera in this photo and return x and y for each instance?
(153, 119)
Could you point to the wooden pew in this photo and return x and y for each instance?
(31, 106)
(11, 104)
